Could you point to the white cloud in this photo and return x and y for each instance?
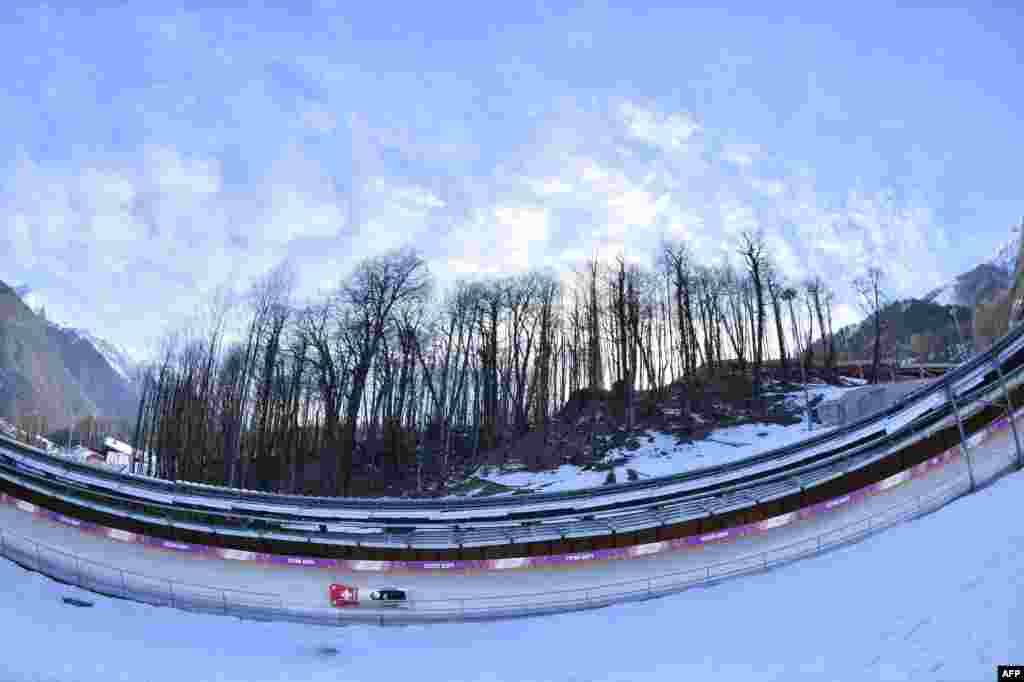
(190, 178)
(552, 186)
(743, 155)
(122, 247)
(768, 187)
(319, 119)
(630, 209)
(522, 233)
(139, 244)
(660, 129)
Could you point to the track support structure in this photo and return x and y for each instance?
(1009, 414)
(963, 437)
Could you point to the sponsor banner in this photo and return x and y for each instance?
(179, 546)
(506, 564)
(678, 543)
(747, 529)
(360, 565)
(837, 502)
(298, 561)
(120, 535)
(776, 521)
(453, 565)
(235, 554)
(645, 550)
(813, 510)
(434, 565)
(716, 536)
(578, 556)
(893, 481)
(860, 495)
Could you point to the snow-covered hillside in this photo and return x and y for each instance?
(660, 454)
(937, 598)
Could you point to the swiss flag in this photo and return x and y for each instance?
(343, 595)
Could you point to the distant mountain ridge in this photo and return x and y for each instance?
(118, 358)
(939, 326)
(912, 331)
(58, 373)
(982, 283)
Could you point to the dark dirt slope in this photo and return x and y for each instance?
(592, 422)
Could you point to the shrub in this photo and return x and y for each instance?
(610, 478)
(632, 475)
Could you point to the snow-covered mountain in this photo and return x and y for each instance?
(102, 369)
(985, 280)
(117, 357)
(58, 373)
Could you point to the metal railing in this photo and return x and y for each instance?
(111, 580)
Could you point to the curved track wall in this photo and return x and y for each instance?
(919, 454)
(992, 456)
(925, 424)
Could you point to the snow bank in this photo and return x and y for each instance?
(660, 454)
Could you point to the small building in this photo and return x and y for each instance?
(117, 453)
(84, 454)
(863, 401)
(92, 457)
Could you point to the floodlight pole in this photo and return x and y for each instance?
(807, 395)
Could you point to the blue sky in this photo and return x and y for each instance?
(149, 157)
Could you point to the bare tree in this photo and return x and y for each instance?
(789, 295)
(736, 319)
(594, 331)
(817, 293)
(677, 259)
(752, 250)
(273, 294)
(773, 283)
(374, 289)
(330, 363)
(871, 300)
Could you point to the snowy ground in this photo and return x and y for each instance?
(933, 599)
(660, 454)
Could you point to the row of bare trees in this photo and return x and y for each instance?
(378, 377)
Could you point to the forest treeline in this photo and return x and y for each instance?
(371, 377)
